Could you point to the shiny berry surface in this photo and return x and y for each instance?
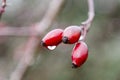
(53, 38)
(71, 34)
(79, 54)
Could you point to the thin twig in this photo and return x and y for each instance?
(90, 13)
(2, 8)
(49, 16)
(86, 24)
(34, 41)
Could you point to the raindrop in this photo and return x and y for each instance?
(81, 37)
(51, 47)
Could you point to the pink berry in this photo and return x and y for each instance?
(53, 38)
(71, 34)
(79, 54)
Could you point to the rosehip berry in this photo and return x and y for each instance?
(53, 38)
(79, 54)
(71, 34)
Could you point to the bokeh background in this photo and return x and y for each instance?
(103, 40)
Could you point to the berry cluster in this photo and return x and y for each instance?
(70, 35)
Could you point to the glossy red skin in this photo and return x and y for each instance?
(79, 53)
(53, 38)
(73, 34)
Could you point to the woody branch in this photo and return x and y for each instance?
(2, 8)
(33, 41)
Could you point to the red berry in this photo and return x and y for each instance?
(79, 54)
(71, 34)
(53, 38)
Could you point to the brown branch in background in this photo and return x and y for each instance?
(33, 41)
(16, 31)
(86, 24)
(39, 27)
(49, 16)
(2, 8)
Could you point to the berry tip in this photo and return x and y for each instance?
(74, 66)
(42, 43)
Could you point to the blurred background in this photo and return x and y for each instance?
(103, 40)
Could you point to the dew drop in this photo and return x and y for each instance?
(81, 38)
(51, 47)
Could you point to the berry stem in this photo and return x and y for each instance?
(85, 25)
(2, 8)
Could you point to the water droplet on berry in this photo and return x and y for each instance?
(51, 47)
(81, 38)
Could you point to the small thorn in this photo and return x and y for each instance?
(74, 66)
(65, 40)
(42, 43)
